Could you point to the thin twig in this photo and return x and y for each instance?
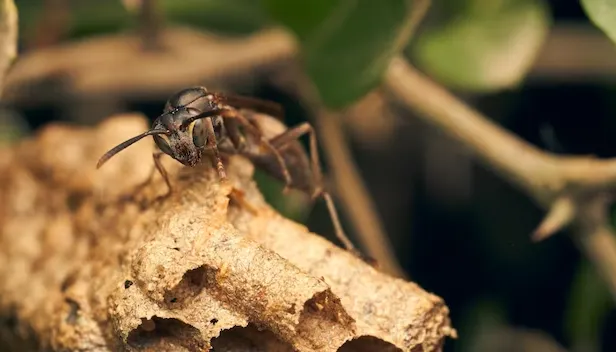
(493, 144)
(355, 197)
(418, 11)
(150, 25)
(564, 185)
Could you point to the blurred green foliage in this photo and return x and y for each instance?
(346, 44)
(482, 45)
(95, 17)
(288, 205)
(86, 18)
(234, 17)
(603, 14)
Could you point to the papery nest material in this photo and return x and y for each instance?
(91, 261)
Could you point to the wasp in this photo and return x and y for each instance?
(196, 123)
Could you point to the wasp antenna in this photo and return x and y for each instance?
(118, 148)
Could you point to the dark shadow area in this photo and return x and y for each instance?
(249, 338)
(191, 285)
(159, 334)
(369, 344)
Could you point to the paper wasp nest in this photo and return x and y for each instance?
(90, 261)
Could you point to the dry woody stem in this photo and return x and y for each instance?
(96, 260)
(574, 190)
(352, 190)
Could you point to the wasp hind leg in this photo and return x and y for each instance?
(293, 134)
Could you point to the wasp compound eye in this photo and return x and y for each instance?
(163, 143)
(198, 133)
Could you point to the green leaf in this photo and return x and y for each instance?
(603, 14)
(484, 45)
(346, 44)
(226, 16)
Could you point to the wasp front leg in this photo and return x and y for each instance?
(158, 166)
(212, 145)
(162, 171)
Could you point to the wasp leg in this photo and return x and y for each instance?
(163, 172)
(279, 142)
(234, 117)
(293, 134)
(234, 133)
(212, 145)
(158, 166)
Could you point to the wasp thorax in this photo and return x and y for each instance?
(195, 97)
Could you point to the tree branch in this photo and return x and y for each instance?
(564, 184)
(115, 66)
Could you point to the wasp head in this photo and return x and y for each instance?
(181, 131)
(184, 141)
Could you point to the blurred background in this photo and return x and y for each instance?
(543, 71)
